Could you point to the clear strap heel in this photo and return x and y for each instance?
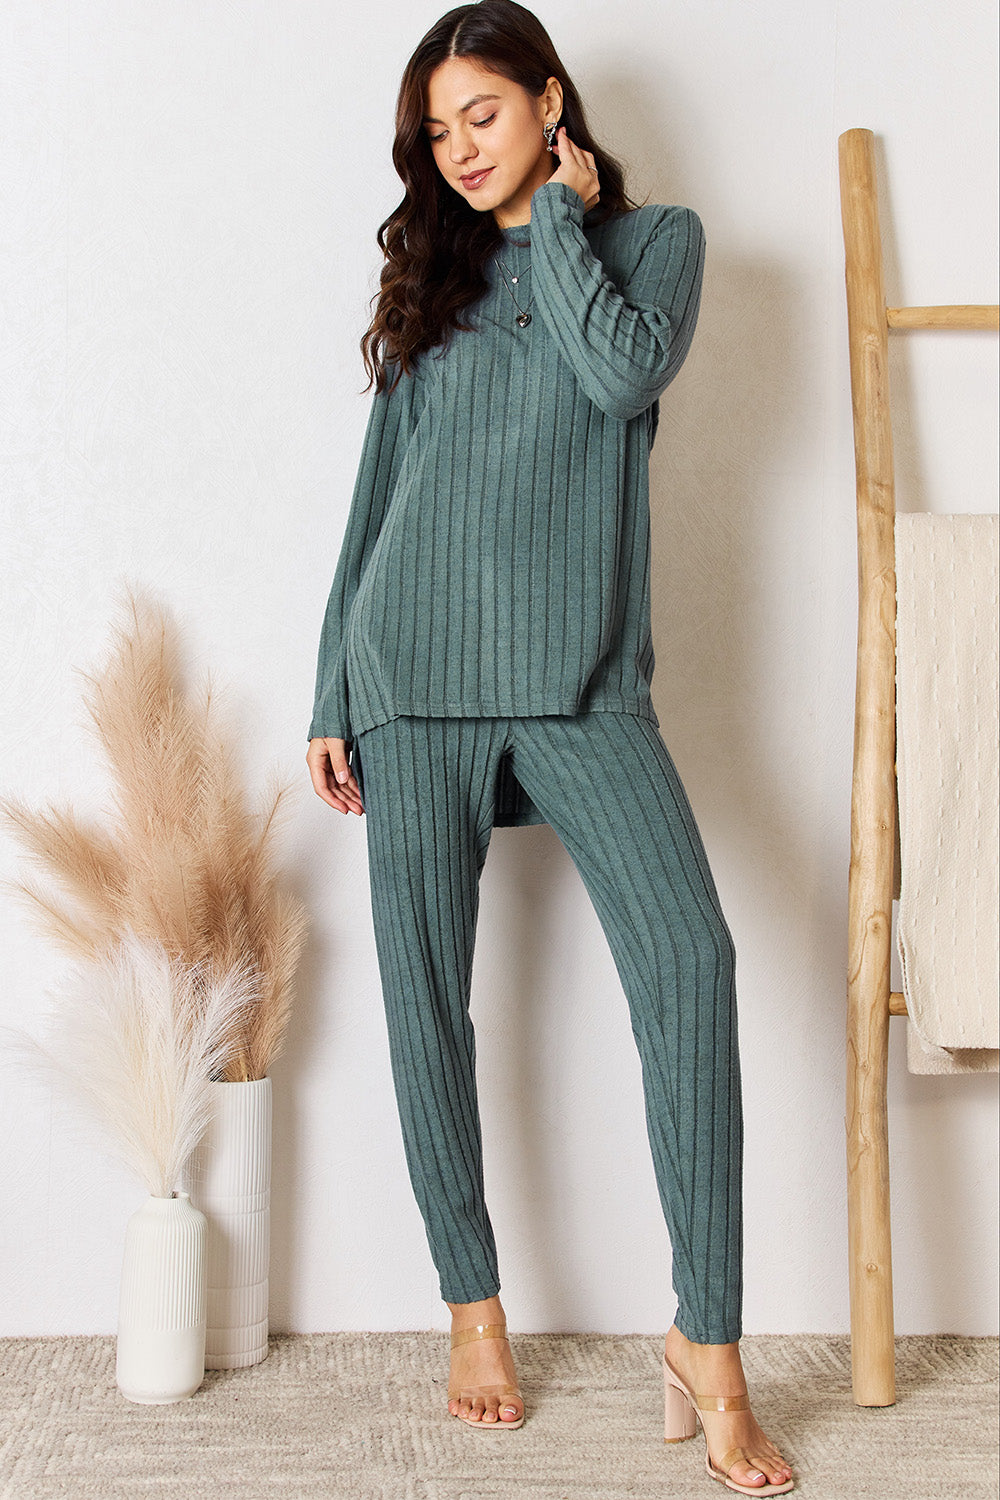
(487, 1392)
(682, 1408)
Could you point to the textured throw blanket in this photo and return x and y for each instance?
(948, 777)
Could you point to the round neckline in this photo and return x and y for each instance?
(517, 240)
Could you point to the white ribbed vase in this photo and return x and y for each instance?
(229, 1177)
(160, 1354)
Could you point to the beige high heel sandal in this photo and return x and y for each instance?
(502, 1392)
(681, 1416)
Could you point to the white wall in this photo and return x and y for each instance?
(190, 196)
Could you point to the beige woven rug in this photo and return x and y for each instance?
(356, 1416)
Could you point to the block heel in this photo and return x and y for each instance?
(679, 1420)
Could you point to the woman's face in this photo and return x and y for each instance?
(486, 137)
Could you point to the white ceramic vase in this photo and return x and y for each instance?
(160, 1354)
(229, 1177)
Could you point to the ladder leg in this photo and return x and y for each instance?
(868, 1211)
(873, 796)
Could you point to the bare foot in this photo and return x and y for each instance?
(482, 1364)
(717, 1370)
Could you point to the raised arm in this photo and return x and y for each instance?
(626, 344)
(390, 423)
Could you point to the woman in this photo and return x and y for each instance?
(486, 657)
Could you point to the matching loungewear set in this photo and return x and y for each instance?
(487, 650)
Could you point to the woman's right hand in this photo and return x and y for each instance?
(327, 760)
(577, 169)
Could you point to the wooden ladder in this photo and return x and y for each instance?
(873, 793)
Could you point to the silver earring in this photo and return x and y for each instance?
(549, 132)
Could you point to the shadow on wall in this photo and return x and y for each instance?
(733, 417)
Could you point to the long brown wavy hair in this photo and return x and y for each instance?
(436, 245)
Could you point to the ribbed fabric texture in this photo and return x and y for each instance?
(496, 559)
(609, 788)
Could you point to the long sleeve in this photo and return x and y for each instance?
(624, 346)
(390, 424)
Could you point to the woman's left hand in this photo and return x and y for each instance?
(576, 168)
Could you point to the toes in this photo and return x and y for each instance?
(760, 1472)
(475, 1409)
(774, 1465)
(755, 1471)
(750, 1475)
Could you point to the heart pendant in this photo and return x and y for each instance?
(524, 320)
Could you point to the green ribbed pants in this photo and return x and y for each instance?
(607, 785)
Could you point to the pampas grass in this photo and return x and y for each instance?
(137, 1038)
(185, 863)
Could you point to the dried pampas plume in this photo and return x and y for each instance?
(186, 863)
(137, 1038)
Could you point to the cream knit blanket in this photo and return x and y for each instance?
(948, 776)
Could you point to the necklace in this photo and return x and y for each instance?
(523, 315)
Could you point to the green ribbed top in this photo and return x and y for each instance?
(496, 559)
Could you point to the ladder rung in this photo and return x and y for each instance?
(976, 315)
